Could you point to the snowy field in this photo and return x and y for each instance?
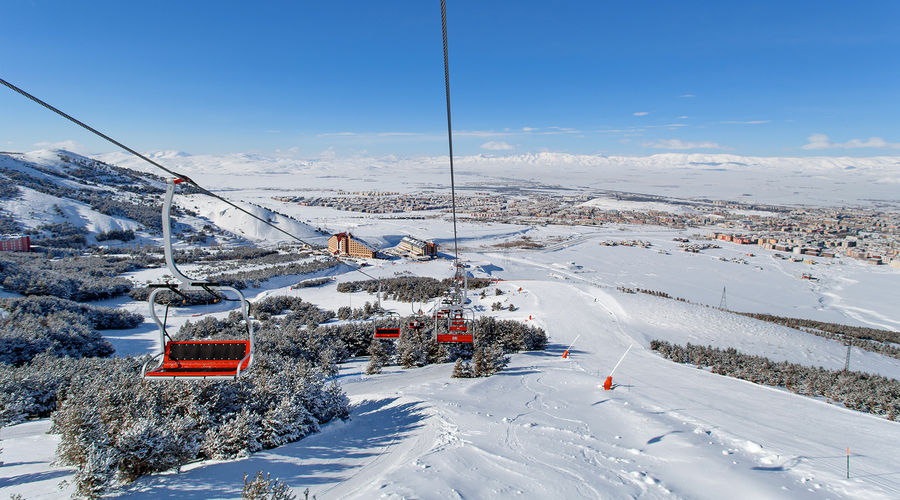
(543, 427)
(829, 181)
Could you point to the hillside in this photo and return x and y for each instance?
(53, 193)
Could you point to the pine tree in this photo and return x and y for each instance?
(378, 357)
(265, 487)
(462, 369)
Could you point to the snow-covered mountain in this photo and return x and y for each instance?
(49, 192)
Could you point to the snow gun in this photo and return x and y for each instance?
(566, 352)
(608, 384)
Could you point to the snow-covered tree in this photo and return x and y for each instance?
(265, 487)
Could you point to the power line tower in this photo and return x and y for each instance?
(847, 361)
(722, 303)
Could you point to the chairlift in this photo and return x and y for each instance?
(390, 332)
(460, 319)
(195, 359)
(460, 327)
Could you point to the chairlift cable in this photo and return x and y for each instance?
(449, 127)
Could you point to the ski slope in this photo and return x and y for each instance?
(543, 428)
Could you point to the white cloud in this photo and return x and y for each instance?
(641, 113)
(497, 146)
(686, 96)
(523, 131)
(483, 133)
(746, 122)
(821, 141)
(336, 134)
(631, 130)
(69, 145)
(681, 145)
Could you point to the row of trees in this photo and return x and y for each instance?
(838, 330)
(239, 280)
(79, 278)
(654, 293)
(8, 190)
(59, 235)
(116, 234)
(408, 288)
(856, 390)
(8, 224)
(25, 334)
(96, 172)
(885, 342)
(97, 317)
(253, 278)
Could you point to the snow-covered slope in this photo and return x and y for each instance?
(543, 428)
(241, 224)
(34, 209)
(55, 186)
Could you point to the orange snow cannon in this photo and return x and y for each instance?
(607, 385)
(566, 352)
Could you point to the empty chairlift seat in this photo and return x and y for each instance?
(203, 359)
(387, 333)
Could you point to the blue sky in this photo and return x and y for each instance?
(634, 78)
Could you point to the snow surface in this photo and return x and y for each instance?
(241, 224)
(543, 428)
(34, 209)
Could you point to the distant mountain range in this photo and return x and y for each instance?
(816, 180)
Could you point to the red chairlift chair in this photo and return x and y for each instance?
(195, 359)
(460, 326)
(388, 332)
